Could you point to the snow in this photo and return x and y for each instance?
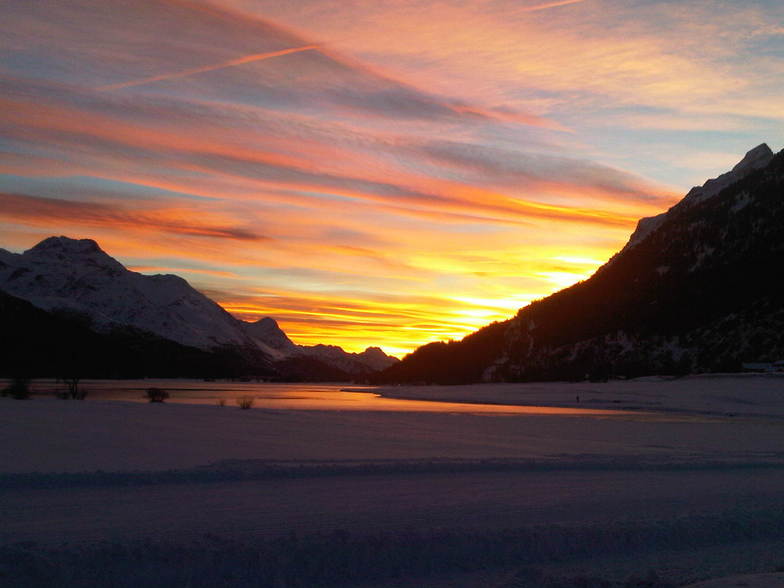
(276, 506)
(775, 580)
(673, 472)
(63, 273)
(270, 338)
(755, 159)
(708, 394)
(646, 226)
(686, 419)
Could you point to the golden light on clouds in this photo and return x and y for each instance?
(373, 173)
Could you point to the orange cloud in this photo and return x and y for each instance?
(55, 212)
(196, 149)
(385, 175)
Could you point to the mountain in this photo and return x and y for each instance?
(76, 279)
(696, 289)
(755, 159)
(370, 360)
(272, 340)
(63, 273)
(62, 344)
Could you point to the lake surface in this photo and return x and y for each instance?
(300, 396)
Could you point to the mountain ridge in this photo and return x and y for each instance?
(77, 277)
(273, 340)
(697, 293)
(755, 158)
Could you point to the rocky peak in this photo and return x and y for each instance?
(268, 332)
(54, 245)
(376, 352)
(83, 251)
(758, 157)
(754, 159)
(267, 323)
(376, 358)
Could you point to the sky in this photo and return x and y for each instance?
(373, 173)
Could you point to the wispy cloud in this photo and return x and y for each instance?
(204, 69)
(72, 128)
(548, 5)
(507, 166)
(373, 172)
(56, 213)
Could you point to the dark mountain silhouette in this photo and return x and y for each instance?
(697, 289)
(305, 360)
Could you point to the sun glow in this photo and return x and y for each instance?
(364, 174)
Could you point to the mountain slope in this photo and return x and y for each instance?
(700, 291)
(755, 159)
(63, 273)
(77, 278)
(62, 344)
(270, 338)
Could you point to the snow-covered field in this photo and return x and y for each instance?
(693, 469)
(774, 580)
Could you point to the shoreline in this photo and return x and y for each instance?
(709, 395)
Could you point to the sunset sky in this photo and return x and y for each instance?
(366, 172)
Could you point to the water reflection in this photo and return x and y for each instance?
(302, 396)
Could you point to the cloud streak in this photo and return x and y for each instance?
(549, 5)
(207, 68)
(373, 172)
(56, 213)
(72, 129)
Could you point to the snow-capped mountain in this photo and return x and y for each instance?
(76, 275)
(63, 273)
(270, 338)
(37, 343)
(697, 288)
(755, 159)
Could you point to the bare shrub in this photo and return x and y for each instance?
(19, 389)
(73, 390)
(245, 402)
(157, 394)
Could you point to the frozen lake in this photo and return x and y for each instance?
(687, 482)
(293, 396)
